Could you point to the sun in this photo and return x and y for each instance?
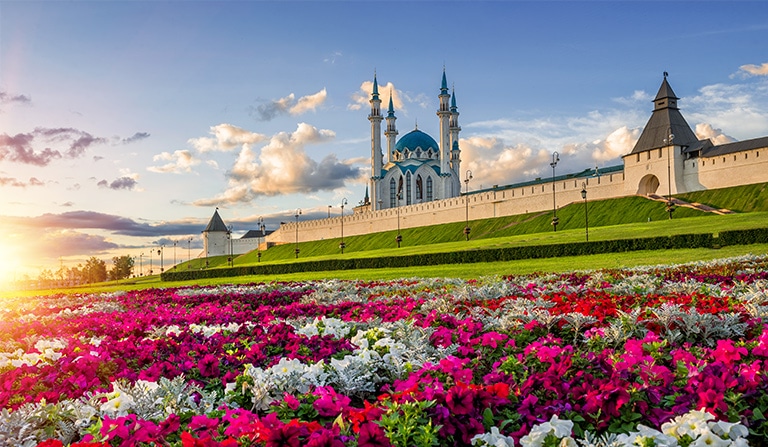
(10, 266)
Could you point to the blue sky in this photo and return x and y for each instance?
(123, 124)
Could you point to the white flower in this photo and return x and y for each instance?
(172, 330)
(119, 402)
(309, 331)
(562, 427)
(707, 438)
(690, 424)
(732, 430)
(533, 439)
(493, 439)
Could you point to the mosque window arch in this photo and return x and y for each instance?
(392, 193)
(419, 188)
(408, 188)
(429, 188)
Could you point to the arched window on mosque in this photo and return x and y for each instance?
(419, 188)
(392, 193)
(408, 188)
(429, 188)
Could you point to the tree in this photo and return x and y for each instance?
(95, 270)
(122, 267)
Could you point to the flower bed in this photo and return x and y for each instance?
(671, 355)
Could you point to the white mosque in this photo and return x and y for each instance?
(418, 169)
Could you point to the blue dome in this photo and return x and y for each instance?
(416, 139)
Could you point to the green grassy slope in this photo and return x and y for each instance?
(743, 199)
(619, 218)
(601, 213)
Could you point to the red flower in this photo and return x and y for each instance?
(51, 443)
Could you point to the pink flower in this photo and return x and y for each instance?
(208, 366)
(492, 339)
(291, 401)
(460, 400)
(371, 435)
(727, 353)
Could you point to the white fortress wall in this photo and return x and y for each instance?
(482, 205)
(740, 168)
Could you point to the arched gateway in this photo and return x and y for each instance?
(648, 185)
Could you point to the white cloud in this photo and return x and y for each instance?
(740, 109)
(755, 70)
(289, 104)
(283, 167)
(617, 143)
(637, 97)
(494, 163)
(178, 162)
(361, 98)
(308, 103)
(226, 137)
(706, 131)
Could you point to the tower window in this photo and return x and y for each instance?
(429, 189)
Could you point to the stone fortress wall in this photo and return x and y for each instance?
(497, 202)
(733, 169)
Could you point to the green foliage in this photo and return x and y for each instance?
(95, 270)
(408, 424)
(122, 267)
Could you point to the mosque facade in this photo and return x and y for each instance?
(417, 169)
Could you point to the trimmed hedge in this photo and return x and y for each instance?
(743, 237)
(701, 240)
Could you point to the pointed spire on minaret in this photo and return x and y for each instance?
(375, 86)
(391, 110)
(444, 86)
(453, 99)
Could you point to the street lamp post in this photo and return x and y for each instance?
(342, 244)
(160, 252)
(150, 262)
(329, 211)
(258, 241)
(466, 202)
(298, 213)
(189, 253)
(586, 211)
(555, 220)
(398, 238)
(670, 143)
(174, 254)
(230, 261)
(141, 263)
